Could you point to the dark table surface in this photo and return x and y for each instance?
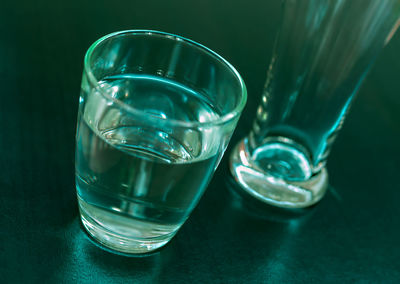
(353, 234)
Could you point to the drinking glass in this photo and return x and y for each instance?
(156, 112)
(323, 51)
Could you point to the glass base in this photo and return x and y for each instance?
(118, 243)
(274, 189)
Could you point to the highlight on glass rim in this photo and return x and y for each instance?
(152, 127)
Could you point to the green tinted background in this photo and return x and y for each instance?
(352, 234)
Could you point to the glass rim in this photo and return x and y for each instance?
(223, 119)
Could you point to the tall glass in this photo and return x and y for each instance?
(156, 113)
(322, 54)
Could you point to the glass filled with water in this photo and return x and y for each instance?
(323, 52)
(156, 113)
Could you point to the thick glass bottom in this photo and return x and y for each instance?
(117, 242)
(269, 185)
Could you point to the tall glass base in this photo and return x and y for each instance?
(286, 183)
(323, 52)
